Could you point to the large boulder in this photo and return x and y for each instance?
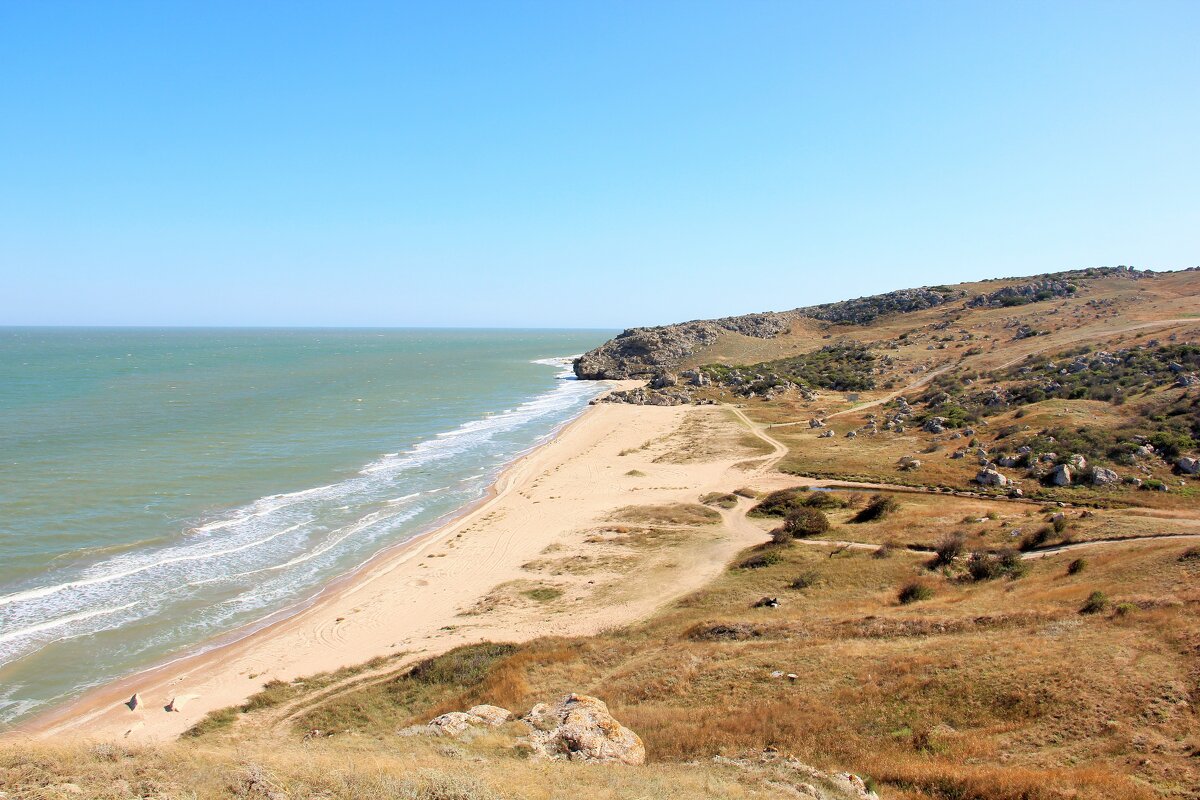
(580, 728)
(1062, 475)
(990, 477)
(1188, 466)
(1104, 477)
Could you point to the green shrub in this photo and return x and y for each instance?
(764, 559)
(719, 499)
(1096, 602)
(804, 522)
(1125, 609)
(914, 592)
(778, 504)
(1076, 566)
(826, 501)
(880, 507)
(986, 566)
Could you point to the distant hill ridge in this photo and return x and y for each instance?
(641, 353)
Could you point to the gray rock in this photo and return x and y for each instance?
(1062, 475)
(1188, 466)
(1104, 477)
(990, 477)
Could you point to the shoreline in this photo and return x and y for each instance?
(45, 722)
(303, 642)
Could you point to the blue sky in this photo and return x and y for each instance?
(577, 164)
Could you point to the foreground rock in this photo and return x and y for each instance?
(799, 779)
(456, 724)
(576, 728)
(579, 728)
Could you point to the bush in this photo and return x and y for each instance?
(1096, 602)
(719, 499)
(803, 522)
(824, 500)
(884, 550)
(948, 548)
(881, 506)
(915, 592)
(986, 566)
(1125, 609)
(1060, 524)
(778, 504)
(1076, 566)
(1036, 539)
(766, 559)
(1191, 554)
(805, 580)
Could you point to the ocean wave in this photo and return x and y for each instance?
(253, 560)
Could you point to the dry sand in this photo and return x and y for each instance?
(469, 581)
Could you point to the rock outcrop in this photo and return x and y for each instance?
(457, 724)
(644, 352)
(1025, 293)
(580, 728)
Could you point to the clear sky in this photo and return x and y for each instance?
(578, 164)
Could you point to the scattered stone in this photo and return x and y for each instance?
(934, 425)
(1188, 466)
(826, 434)
(767, 602)
(1104, 477)
(816, 423)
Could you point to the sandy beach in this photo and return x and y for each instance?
(475, 578)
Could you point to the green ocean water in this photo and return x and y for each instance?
(161, 487)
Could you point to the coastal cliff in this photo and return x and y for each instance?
(642, 353)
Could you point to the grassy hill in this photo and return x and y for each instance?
(940, 637)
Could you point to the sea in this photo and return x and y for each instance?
(162, 490)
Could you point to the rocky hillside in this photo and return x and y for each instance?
(642, 353)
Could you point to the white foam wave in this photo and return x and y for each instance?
(58, 623)
(281, 546)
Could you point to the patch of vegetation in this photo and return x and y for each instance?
(984, 566)
(674, 514)
(801, 523)
(805, 580)
(543, 594)
(779, 503)
(767, 558)
(915, 592)
(719, 499)
(825, 501)
(842, 367)
(462, 666)
(948, 548)
(1077, 566)
(1096, 603)
(879, 507)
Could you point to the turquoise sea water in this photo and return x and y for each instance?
(160, 487)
